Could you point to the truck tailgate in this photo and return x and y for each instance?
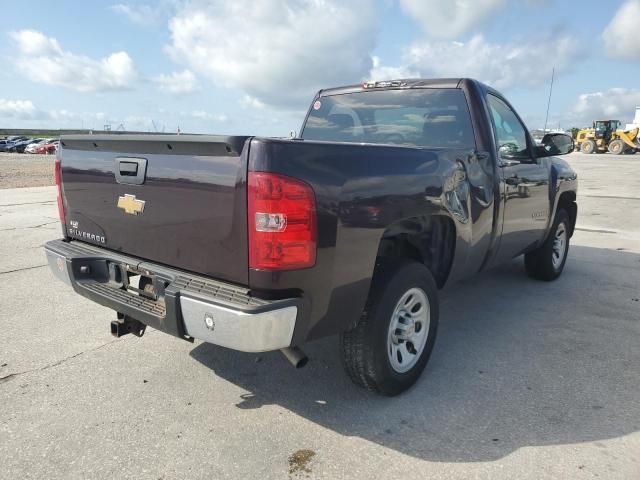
(178, 200)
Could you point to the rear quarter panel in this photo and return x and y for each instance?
(360, 190)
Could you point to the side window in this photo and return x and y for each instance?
(510, 133)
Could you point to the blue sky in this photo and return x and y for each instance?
(251, 67)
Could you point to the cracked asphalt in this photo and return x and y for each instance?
(528, 380)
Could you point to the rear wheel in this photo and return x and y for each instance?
(617, 147)
(547, 262)
(588, 146)
(391, 344)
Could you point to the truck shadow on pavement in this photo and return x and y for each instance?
(518, 363)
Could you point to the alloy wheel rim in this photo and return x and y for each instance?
(408, 330)
(559, 246)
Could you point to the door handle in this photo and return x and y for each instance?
(130, 171)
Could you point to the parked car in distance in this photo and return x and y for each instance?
(17, 138)
(5, 145)
(37, 142)
(11, 147)
(47, 148)
(393, 191)
(8, 144)
(20, 146)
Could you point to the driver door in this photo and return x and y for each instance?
(524, 182)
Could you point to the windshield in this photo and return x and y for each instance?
(607, 125)
(418, 117)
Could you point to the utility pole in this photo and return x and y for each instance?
(553, 71)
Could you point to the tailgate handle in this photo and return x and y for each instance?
(130, 170)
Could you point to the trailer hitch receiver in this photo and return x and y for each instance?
(125, 325)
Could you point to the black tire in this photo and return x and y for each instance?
(617, 147)
(540, 263)
(588, 146)
(365, 348)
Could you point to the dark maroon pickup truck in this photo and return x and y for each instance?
(393, 191)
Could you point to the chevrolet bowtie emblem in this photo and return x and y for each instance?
(130, 204)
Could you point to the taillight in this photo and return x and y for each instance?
(281, 222)
(58, 180)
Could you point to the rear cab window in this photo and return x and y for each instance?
(421, 117)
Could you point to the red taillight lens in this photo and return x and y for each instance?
(281, 221)
(58, 180)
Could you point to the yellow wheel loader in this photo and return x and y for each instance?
(607, 135)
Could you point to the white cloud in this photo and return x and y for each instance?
(26, 113)
(451, 18)
(62, 115)
(135, 122)
(17, 109)
(518, 63)
(621, 39)
(250, 102)
(177, 83)
(273, 51)
(32, 42)
(381, 72)
(615, 103)
(202, 115)
(42, 60)
(144, 15)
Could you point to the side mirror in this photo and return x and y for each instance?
(555, 144)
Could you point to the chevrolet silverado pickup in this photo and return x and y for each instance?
(392, 191)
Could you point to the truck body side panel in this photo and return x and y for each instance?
(360, 191)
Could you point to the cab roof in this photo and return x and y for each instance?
(407, 83)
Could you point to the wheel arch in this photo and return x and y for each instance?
(567, 201)
(430, 240)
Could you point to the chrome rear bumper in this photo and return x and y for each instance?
(247, 332)
(188, 306)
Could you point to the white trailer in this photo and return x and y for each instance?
(636, 121)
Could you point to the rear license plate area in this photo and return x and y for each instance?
(143, 283)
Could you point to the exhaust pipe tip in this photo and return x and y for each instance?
(296, 357)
